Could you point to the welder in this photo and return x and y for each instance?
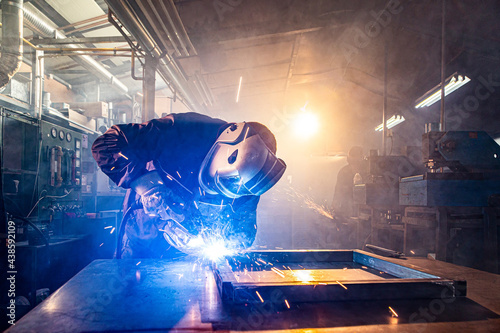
(191, 180)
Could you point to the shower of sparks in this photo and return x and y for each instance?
(310, 203)
(112, 168)
(393, 312)
(178, 174)
(260, 297)
(138, 263)
(412, 252)
(195, 204)
(277, 271)
(287, 304)
(125, 157)
(169, 177)
(108, 227)
(101, 245)
(112, 230)
(262, 261)
(340, 284)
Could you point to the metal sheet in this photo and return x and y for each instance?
(123, 295)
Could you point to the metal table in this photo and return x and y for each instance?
(160, 295)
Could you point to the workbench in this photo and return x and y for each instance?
(160, 295)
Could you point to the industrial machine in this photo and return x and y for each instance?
(451, 209)
(463, 170)
(50, 189)
(378, 197)
(384, 172)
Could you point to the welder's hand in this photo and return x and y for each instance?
(157, 199)
(153, 203)
(180, 238)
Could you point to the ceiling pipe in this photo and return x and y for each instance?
(47, 29)
(12, 40)
(167, 67)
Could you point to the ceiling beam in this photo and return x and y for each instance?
(82, 40)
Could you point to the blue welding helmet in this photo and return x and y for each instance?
(240, 163)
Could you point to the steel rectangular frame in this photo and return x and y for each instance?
(409, 282)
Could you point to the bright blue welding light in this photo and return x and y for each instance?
(216, 250)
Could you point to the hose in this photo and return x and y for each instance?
(34, 226)
(123, 223)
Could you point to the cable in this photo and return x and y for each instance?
(48, 196)
(35, 184)
(123, 223)
(46, 241)
(36, 203)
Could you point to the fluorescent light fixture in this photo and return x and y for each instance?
(391, 122)
(239, 88)
(432, 96)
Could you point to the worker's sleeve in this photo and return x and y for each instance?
(123, 151)
(242, 228)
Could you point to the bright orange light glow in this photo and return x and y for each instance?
(306, 124)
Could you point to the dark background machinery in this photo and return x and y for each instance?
(50, 190)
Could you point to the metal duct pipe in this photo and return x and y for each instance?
(167, 68)
(46, 29)
(12, 40)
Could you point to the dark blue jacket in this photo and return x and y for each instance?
(175, 146)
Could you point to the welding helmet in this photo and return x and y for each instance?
(240, 163)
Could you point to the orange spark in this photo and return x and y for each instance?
(260, 297)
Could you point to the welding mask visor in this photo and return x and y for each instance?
(240, 163)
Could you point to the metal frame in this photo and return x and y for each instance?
(403, 283)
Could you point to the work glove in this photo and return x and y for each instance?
(157, 199)
(180, 238)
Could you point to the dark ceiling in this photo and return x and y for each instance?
(330, 55)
